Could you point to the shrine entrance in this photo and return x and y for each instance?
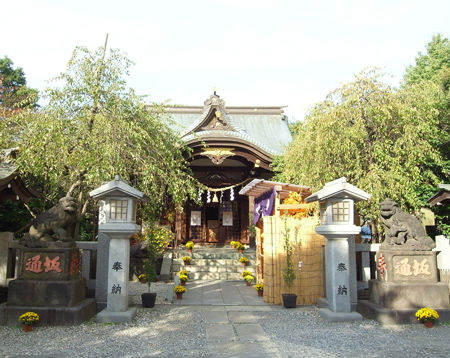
(229, 146)
(218, 222)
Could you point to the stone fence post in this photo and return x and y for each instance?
(5, 237)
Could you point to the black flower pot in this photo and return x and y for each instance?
(289, 300)
(148, 299)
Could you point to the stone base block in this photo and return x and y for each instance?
(388, 316)
(49, 263)
(331, 316)
(3, 294)
(409, 295)
(46, 293)
(322, 302)
(50, 316)
(106, 316)
(409, 265)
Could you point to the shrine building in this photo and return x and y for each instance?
(231, 146)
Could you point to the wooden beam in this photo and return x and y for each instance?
(293, 206)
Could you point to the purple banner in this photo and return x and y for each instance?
(264, 205)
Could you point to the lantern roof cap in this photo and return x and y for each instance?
(116, 186)
(338, 188)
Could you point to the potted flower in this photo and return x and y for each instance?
(259, 287)
(240, 247)
(233, 244)
(183, 279)
(28, 319)
(243, 260)
(427, 316)
(149, 275)
(249, 279)
(246, 273)
(179, 290)
(189, 246)
(183, 272)
(288, 273)
(186, 260)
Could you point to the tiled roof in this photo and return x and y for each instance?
(264, 127)
(7, 170)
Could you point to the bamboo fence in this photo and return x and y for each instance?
(308, 285)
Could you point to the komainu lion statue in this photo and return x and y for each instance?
(403, 229)
(54, 224)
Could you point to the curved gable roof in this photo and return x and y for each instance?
(263, 127)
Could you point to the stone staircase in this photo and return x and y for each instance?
(212, 263)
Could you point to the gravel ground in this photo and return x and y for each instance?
(159, 332)
(305, 334)
(179, 331)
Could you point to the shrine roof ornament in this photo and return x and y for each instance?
(217, 155)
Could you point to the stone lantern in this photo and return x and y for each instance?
(117, 222)
(336, 200)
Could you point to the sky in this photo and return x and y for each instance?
(255, 53)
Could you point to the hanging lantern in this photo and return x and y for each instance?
(215, 200)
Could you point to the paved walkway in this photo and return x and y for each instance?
(219, 292)
(231, 326)
(230, 310)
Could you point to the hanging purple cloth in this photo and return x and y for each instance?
(264, 205)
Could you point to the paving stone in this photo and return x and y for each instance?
(242, 349)
(216, 317)
(220, 333)
(241, 317)
(250, 332)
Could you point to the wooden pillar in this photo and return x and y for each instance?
(178, 227)
(276, 206)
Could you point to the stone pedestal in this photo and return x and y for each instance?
(49, 284)
(407, 280)
(117, 309)
(409, 295)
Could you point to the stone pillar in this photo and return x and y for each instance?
(352, 273)
(4, 242)
(101, 273)
(118, 271)
(338, 274)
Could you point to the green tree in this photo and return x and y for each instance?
(14, 94)
(94, 127)
(431, 69)
(379, 138)
(430, 65)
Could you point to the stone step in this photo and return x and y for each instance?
(219, 269)
(215, 262)
(215, 276)
(210, 254)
